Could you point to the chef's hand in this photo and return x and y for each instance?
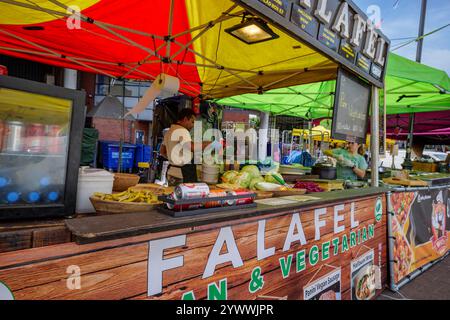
(347, 163)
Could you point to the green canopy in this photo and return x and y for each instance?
(410, 87)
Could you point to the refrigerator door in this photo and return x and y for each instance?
(36, 169)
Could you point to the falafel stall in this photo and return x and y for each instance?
(277, 241)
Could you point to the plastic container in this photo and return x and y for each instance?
(110, 154)
(327, 173)
(143, 154)
(210, 174)
(90, 181)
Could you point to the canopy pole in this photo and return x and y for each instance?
(375, 137)
(263, 135)
(407, 165)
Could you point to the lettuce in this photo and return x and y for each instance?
(243, 179)
(229, 176)
(254, 181)
(252, 170)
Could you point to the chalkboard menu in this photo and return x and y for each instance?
(351, 108)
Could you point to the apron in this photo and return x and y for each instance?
(189, 172)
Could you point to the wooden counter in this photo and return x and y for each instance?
(262, 253)
(100, 228)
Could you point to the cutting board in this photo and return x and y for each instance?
(327, 185)
(404, 182)
(289, 192)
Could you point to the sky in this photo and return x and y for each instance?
(400, 19)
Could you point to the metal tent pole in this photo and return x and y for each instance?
(408, 164)
(374, 137)
(421, 31)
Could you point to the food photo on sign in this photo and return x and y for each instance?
(403, 254)
(363, 272)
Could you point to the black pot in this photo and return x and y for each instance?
(327, 173)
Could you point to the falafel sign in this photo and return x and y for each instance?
(420, 229)
(268, 257)
(337, 28)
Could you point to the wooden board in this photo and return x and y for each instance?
(327, 185)
(406, 183)
(289, 192)
(119, 269)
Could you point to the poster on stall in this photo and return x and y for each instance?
(327, 287)
(363, 270)
(420, 229)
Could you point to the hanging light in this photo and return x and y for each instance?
(251, 31)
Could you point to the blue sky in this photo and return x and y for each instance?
(402, 21)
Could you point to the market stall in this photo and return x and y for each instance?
(322, 245)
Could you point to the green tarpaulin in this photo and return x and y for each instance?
(410, 87)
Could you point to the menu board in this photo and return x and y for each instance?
(351, 108)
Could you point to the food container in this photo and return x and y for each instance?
(13, 139)
(122, 181)
(2, 134)
(187, 206)
(54, 143)
(325, 172)
(191, 191)
(36, 140)
(210, 174)
(89, 182)
(119, 207)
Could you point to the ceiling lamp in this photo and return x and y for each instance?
(251, 31)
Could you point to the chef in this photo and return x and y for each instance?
(178, 146)
(350, 164)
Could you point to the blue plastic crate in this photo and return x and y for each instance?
(143, 154)
(110, 152)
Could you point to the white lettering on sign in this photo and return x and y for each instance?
(354, 223)
(305, 3)
(215, 258)
(319, 223)
(263, 253)
(338, 218)
(342, 22)
(321, 12)
(156, 263)
(359, 27)
(371, 41)
(292, 236)
(380, 59)
(226, 240)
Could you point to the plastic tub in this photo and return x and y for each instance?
(210, 169)
(110, 156)
(143, 154)
(90, 181)
(210, 178)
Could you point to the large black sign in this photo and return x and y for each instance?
(351, 108)
(337, 28)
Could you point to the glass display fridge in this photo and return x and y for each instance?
(40, 145)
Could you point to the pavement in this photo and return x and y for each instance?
(433, 284)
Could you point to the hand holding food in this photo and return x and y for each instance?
(347, 163)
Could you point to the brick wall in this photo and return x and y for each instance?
(110, 129)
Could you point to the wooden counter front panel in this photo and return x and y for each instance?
(119, 269)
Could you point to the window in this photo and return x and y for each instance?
(128, 92)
